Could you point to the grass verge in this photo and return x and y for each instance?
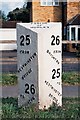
(69, 110)
(71, 78)
(8, 79)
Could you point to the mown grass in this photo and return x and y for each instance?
(69, 110)
(71, 78)
(8, 79)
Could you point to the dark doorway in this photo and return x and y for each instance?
(79, 34)
(64, 47)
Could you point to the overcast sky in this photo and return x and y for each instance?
(9, 5)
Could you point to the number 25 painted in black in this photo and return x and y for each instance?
(56, 73)
(25, 40)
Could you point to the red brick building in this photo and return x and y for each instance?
(55, 11)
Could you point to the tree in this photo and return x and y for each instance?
(21, 14)
(12, 15)
(2, 15)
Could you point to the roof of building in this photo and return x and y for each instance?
(75, 20)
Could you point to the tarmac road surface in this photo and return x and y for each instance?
(67, 91)
(66, 67)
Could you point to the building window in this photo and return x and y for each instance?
(79, 34)
(43, 2)
(64, 33)
(55, 2)
(73, 33)
(68, 33)
(49, 2)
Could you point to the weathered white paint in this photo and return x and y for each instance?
(48, 90)
(47, 64)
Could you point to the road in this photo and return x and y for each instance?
(8, 61)
(67, 91)
(71, 67)
(12, 67)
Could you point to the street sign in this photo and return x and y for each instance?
(39, 64)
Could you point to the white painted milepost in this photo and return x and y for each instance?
(39, 51)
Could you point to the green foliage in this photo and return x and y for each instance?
(8, 79)
(2, 15)
(71, 78)
(69, 110)
(9, 108)
(17, 14)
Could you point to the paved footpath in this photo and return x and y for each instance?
(68, 91)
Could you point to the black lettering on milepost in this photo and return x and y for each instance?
(51, 55)
(27, 62)
(54, 98)
(56, 51)
(50, 85)
(24, 51)
(31, 100)
(30, 89)
(26, 74)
